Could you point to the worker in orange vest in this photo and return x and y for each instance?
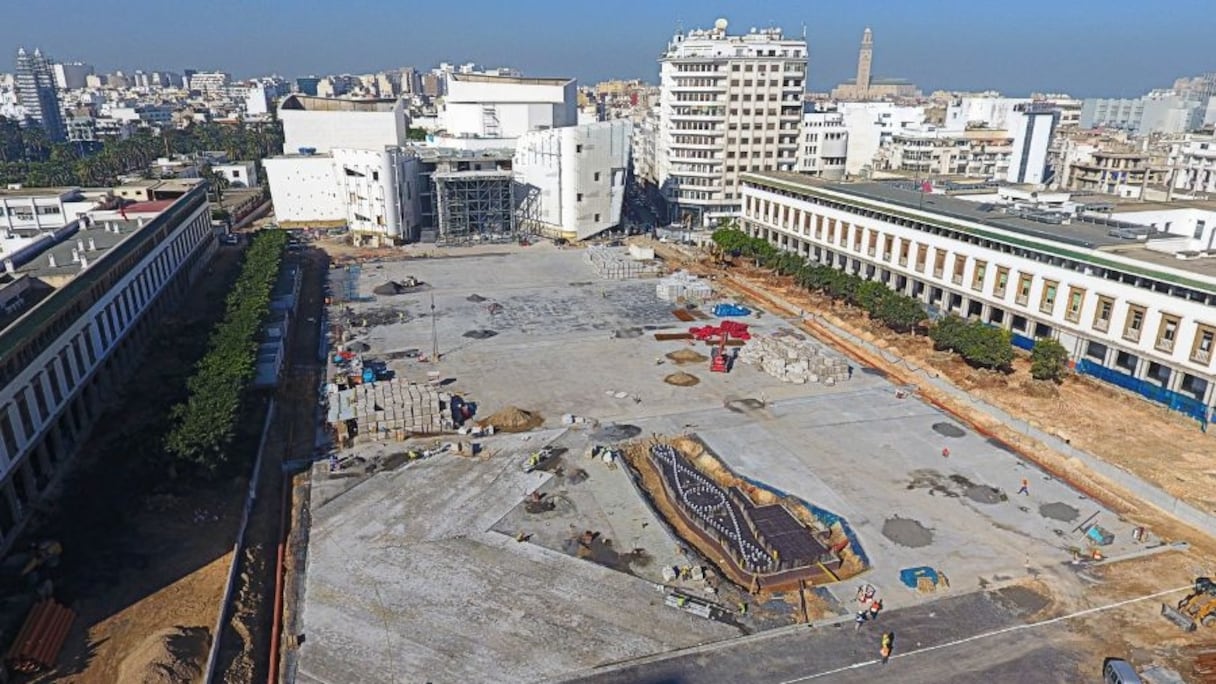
(888, 643)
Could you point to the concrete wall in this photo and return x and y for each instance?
(517, 107)
(370, 188)
(304, 188)
(1031, 139)
(870, 124)
(327, 130)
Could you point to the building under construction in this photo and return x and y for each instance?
(475, 206)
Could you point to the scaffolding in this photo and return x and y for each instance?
(475, 206)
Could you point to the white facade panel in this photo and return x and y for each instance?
(325, 130)
(303, 188)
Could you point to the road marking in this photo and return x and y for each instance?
(998, 632)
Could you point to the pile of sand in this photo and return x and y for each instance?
(171, 656)
(681, 379)
(683, 356)
(513, 419)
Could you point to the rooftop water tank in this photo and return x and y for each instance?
(308, 151)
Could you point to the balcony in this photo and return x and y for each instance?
(903, 261)
(886, 256)
(1102, 324)
(920, 267)
(937, 272)
(1022, 299)
(870, 251)
(1201, 356)
(1132, 334)
(1165, 345)
(957, 278)
(999, 292)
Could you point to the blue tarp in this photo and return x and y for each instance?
(723, 310)
(1178, 402)
(910, 576)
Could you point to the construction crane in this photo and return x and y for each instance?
(1198, 607)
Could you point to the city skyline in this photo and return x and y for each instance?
(1081, 48)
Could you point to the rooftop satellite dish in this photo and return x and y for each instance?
(720, 24)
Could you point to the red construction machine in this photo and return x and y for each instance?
(719, 361)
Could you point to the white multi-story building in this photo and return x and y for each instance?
(373, 192)
(71, 75)
(74, 314)
(728, 104)
(1131, 297)
(983, 112)
(1160, 111)
(483, 106)
(871, 126)
(1032, 126)
(570, 182)
(240, 174)
(258, 100)
(321, 124)
(643, 147)
(208, 82)
(927, 151)
(824, 145)
(1192, 163)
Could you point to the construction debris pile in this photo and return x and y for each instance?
(391, 409)
(683, 286)
(615, 263)
(790, 359)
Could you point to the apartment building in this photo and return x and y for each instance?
(729, 104)
(1133, 303)
(74, 317)
(1112, 172)
(824, 145)
(1192, 163)
(980, 153)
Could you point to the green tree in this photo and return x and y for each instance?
(870, 294)
(947, 333)
(899, 312)
(987, 346)
(416, 134)
(1048, 360)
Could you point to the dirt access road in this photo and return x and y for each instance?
(244, 655)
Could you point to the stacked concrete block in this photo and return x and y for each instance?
(394, 409)
(790, 359)
(683, 285)
(616, 263)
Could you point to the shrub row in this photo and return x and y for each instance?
(204, 425)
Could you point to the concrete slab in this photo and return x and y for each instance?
(414, 574)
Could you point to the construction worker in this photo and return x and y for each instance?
(534, 459)
(945, 452)
(875, 606)
(861, 618)
(681, 601)
(1025, 489)
(743, 607)
(888, 643)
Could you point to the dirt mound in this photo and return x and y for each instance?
(1043, 389)
(682, 379)
(683, 356)
(513, 419)
(171, 656)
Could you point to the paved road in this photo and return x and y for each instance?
(839, 654)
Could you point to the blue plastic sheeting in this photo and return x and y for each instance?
(723, 310)
(1023, 342)
(825, 516)
(910, 576)
(1178, 402)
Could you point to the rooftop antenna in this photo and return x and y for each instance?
(804, 30)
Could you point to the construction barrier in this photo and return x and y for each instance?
(41, 637)
(1176, 401)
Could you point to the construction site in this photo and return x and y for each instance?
(556, 471)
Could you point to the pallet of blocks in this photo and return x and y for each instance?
(794, 360)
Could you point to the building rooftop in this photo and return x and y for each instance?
(37, 192)
(56, 265)
(310, 103)
(516, 80)
(1093, 233)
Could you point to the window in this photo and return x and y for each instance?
(597, 175)
(1002, 282)
(1106, 306)
(977, 276)
(597, 218)
(873, 245)
(236, 173)
(939, 263)
(579, 197)
(1048, 301)
(578, 149)
(1201, 349)
(922, 255)
(960, 264)
(887, 246)
(1167, 332)
(1076, 299)
(1023, 293)
(1134, 324)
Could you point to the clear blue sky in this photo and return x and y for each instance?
(1085, 47)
